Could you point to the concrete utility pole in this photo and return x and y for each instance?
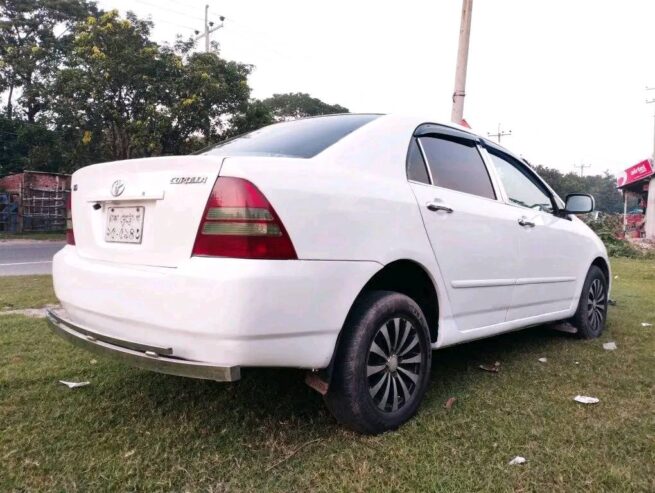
(209, 28)
(648, 101)
(462, 60)
(582, 167)
(650, 202)
(499, 134)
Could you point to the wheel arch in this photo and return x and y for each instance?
(412, 279)
(403, 276)
(602, 264)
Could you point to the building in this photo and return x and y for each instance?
(33, 201)
(637, 182)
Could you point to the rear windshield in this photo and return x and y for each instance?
(298, 138)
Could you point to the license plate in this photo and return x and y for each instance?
(124, 224)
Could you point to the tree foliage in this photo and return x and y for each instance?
(602, 187)
(81, 86)
(294, 105)
(34, 38)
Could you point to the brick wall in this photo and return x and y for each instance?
(11, 183)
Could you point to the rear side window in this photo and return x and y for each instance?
(457, 165)
(416, 170)
(298, 138)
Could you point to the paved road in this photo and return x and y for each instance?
(27, 257)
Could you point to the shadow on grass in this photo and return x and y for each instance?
(266, 398)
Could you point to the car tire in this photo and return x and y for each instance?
(382, 365)
(591, 314)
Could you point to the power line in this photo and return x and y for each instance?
(178, 25)
(173, 11)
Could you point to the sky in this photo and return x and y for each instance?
(567, 77)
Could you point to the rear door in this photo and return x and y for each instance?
(474, 235)
(550, 252)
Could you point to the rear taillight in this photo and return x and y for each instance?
(239, 222)
(70, 236)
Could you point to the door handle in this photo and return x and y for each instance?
(524, 222)
(436, 206)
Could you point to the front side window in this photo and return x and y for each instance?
(457, 165)
(521, 190)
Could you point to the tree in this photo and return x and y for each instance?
(31, 50)
(291, 106)
(136, 98)
(602, 187)
(109, 91)
(92, 86)
(26, 146)
(205, 93)
(255, 115)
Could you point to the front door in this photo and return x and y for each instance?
(549, 250)
(473, 234)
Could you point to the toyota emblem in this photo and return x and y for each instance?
(117, 188)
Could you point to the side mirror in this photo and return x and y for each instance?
(579, 203)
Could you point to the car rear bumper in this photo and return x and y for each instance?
(220, 311)
(135, 354)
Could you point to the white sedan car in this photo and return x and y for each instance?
(348, 245)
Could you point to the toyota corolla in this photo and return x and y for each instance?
(347, 245)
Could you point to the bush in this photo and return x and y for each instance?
(609, 228)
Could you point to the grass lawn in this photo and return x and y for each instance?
(132, 430)
(18, 292)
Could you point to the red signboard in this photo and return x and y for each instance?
(633, 174)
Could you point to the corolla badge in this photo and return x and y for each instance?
(117, 188)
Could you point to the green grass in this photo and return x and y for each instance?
(45, 236)
(18, 292)
(132, 430)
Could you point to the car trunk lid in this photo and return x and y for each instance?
(141, 211)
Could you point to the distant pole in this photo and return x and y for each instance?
(499, 134)
(582, 167)
(648, 101)
(209, 28)
(206, 28)
(649, 227)
(457, 114)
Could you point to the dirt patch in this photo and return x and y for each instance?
(31, 312)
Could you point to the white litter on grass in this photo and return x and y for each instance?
(583, 399)
(609, 346)
(543, 360)
(74, 385)
(646, 324)
(517, 460)
(129, 454)
(616, 277)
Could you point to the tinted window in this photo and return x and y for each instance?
(298, 138)
(416, 170)
(520, 188)
(458, 166)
